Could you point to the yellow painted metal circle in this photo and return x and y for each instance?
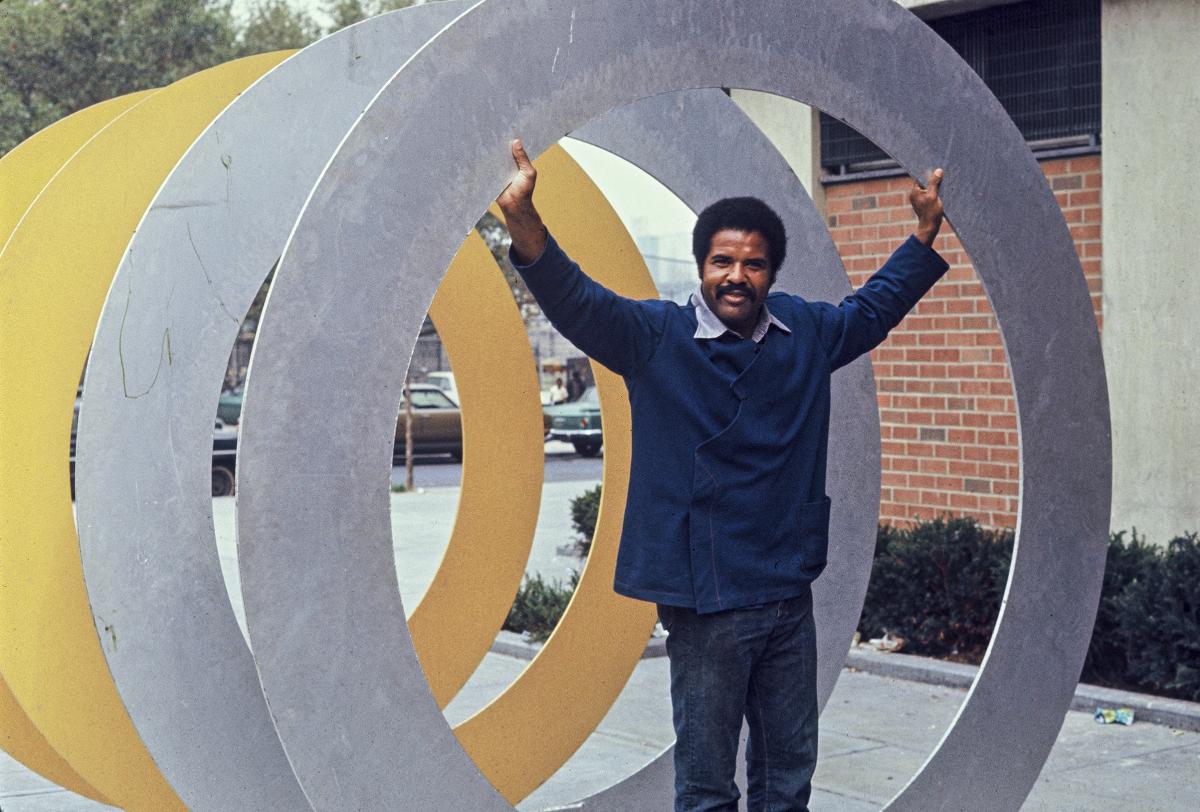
(54, 274)
(97, 199)
(455, 623)
(523, 737)
(24, 172)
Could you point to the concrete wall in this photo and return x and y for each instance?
(794, 129)
(1151, 221)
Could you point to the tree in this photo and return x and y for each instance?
(59, 57)
(274, 25)
(349, 12)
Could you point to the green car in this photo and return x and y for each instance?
(578, 422)
(229, 408)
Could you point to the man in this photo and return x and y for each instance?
(727, 519)
(558, 392)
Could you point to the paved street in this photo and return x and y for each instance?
(876, 731)
(562, 465)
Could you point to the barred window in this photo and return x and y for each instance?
(1042, 60)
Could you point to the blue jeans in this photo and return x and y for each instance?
(760, 663)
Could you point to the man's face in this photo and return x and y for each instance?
(736, 277)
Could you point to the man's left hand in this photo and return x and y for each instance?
(928, 207)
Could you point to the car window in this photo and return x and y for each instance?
(590, 396)
(430, 399)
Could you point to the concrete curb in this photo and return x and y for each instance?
(1158, 710)
(512, 644)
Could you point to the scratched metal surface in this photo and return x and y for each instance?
(210, 214)
(409, 180)
(144, 507)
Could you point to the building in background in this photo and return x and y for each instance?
(1107, 94)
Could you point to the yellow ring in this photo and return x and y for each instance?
(456, 621)
(81, 707)
(24, 172)
(523, 737)
(56, 270)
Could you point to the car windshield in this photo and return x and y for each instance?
(430, 399)
(590, 396)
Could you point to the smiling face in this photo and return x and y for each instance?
(735, 278)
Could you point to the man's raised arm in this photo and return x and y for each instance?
(516, 202)
(620, 333)
(863, 318)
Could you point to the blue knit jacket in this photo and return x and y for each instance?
(727, 504)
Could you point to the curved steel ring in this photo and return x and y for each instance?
(575, 63)
(231, 243)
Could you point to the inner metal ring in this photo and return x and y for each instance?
(231, 243)
(400, 187)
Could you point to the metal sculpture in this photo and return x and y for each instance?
(348, 701)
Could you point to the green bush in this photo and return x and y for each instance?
(539, 605)
(938, 585)
(584, 509)
(1147, 634)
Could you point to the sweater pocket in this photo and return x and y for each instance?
(814, 537)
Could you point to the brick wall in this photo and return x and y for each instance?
(947, 413)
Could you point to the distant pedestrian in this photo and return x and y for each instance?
(575, 385)
(558, 392)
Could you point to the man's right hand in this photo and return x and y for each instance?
(516, 203)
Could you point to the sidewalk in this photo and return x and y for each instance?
(875, 733)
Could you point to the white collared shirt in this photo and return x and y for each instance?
(709, 325)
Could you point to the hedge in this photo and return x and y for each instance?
(938, 584)
(539, 605)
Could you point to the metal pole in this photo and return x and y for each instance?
(408, 438)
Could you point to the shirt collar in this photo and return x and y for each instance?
(709, 325)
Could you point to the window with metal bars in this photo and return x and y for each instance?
(1042, 60)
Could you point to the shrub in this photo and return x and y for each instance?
(1126, 562)
(584, 509)
(539, 605)
(1147, 634)
(938, 585)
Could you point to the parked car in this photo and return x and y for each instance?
(229, 408)
(578, 422)
(224, 464)
(444, 381)
(437, 424)
(224, 461)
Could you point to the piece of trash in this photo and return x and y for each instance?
(1114, 716)
(888, 644)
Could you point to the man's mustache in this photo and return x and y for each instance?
(746, 290)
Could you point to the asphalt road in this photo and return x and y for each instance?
(562, 465)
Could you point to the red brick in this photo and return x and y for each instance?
(963, 468)
(1004, 454)
(964, 501)
(931, 467)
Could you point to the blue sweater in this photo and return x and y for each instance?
(727, 504)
